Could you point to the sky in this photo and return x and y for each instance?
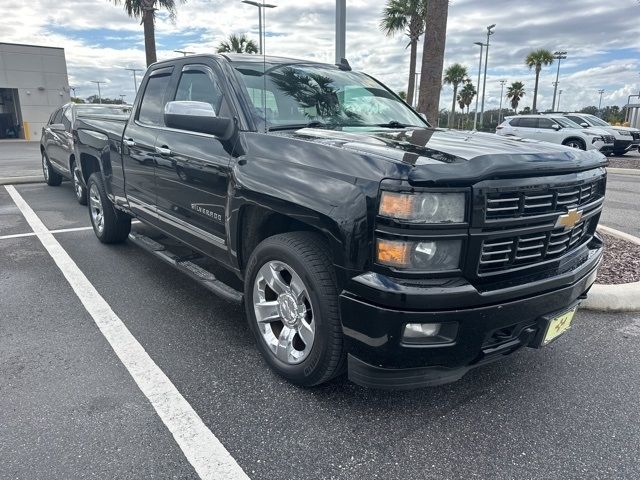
(602, 38)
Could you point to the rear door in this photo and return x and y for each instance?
(192, 170)
(527, 127)
(52, 139)
(546, 132)
(138, 149)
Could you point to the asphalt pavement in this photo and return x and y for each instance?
(71, 408)
(19, 159)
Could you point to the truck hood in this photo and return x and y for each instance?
(457, 157)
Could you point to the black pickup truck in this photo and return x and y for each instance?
(359, 238)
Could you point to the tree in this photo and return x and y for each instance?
(455, 75)
(238, 44)
(433, 57)
(466, 96)
(408, 16)
(515, 92)
(537, 59)
(146, 10)
(403, 95)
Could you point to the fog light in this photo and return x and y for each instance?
(421, 330)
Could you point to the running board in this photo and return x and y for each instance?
(186, 266)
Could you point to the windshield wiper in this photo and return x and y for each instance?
(311, 124)
(395, 124)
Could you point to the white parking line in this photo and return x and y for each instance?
(31, 234)
(203, 450)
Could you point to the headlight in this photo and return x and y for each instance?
(424, 207)
(597, 139)
(624, 133)
(426, 255)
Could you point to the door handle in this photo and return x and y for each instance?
(164, 150)
(129, 142)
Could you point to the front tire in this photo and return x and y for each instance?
(619, 153)
(575, 143)
(291, 300)
(78, 187)
(109, 225)
(51, 177)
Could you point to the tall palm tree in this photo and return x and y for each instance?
(146, 10)
(238, 44)
(408, 16)
(433, 58)
(466, 96)
(537, 59)
(515, 92)
(455, 75)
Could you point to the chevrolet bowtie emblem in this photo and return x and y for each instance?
(569, 219)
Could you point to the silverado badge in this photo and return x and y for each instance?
(569, 219)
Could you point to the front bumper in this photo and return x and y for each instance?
(626, 145)
(375, 310)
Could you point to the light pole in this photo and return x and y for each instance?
(415, 97)
(600, 102)
(475, 116)
(184, 52)
(260, 6)
(502, 82)
(73, 89)
(135, 80)
(484, 83)
(559, 94)
(99, 94)
(341, 30)
(558, 56)
(122, 98)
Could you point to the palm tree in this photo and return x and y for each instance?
(515, 92)
(433, 58)
(145, 9)
(408, 16)
(455, 75)
(466, 96)
(238, 44)
(537, 59)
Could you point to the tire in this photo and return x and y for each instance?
(109, 225)
(575, 143)
(304, 259)
(51, 177)
(79, 189)
(619, 153)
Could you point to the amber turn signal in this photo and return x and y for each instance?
(396, 205)
(395, 254)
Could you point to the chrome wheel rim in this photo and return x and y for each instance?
(76, 182)
(573, 144)
(95, 205)
(45, 168)
(284, 312)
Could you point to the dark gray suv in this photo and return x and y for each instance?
(56, 143)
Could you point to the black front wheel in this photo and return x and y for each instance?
(291, 300)
(575, 143)
(109, 225)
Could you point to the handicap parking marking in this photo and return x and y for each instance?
(203, 450)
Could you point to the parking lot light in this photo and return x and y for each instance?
(475, 116)
(558, 56)
(486, 61)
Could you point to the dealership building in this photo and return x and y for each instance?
(33, 82)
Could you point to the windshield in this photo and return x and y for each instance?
(593, 120)
(565, 122)
(103, 110)
(295, 96)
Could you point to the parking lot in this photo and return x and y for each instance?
(74, 404)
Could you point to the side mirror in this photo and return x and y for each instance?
(556, 127)
(57, 127)
(198, 117)
(584, 124)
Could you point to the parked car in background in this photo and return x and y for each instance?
(626, 138)
(56, 143)
(556, 129)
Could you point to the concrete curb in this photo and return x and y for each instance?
(624, 297)
(624, 171)
(20, 180)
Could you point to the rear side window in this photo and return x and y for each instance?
(152, 105)
(529, 122)
(57, 117)
(199, 86)
(66, 119)
(514, 122)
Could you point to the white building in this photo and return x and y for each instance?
(33, 82)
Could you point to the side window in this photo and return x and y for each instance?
(578, 120)
(66, 119)
(514, 122)
(57, 117)
(152, 105)
(545, 123)
(200, 86)
(528, 122)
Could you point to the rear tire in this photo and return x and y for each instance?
(109, 225)
(575, 143)
(78, 188)
(51, 177)
(299, 332)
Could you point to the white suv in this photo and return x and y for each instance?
(556, 129)
(625, 138)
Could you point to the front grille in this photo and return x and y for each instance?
(535, 201)
(635, 135)
(510, 252)
(609, 138)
